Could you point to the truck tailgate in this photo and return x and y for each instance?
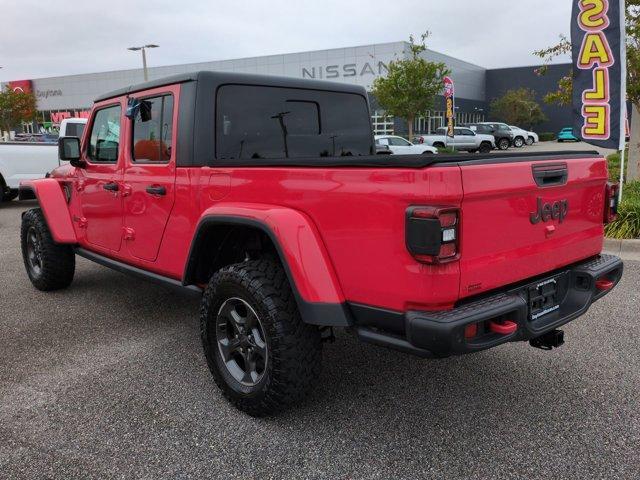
(525, 218)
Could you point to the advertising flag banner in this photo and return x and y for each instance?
(449, 96)
(599, 72)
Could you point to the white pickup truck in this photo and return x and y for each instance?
(31, 160)
(464, 139)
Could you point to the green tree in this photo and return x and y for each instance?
(518, 107)
(411, 84)
(15, 108)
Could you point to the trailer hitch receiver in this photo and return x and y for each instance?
(549, 340)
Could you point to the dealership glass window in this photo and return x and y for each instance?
(274, 122)
(104, 141)
(381, 123)
(153, 130)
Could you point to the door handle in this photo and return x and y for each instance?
(112, 186)
(156, 190)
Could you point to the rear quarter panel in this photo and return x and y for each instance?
(358, 212)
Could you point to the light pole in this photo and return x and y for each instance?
(144, 57)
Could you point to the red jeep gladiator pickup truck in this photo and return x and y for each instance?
(264, 196)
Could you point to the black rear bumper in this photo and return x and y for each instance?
(441, 334)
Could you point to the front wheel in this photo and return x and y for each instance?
(50, 266)
(518, 142)
(530, 141)
(261, 354)
(486, 147)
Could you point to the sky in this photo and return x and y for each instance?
(43, 39)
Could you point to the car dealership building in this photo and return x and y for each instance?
(476, 86)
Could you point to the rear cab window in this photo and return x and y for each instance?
(153, 130)
(272, 122)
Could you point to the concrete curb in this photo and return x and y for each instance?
(626, 249)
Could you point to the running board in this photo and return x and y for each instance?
(138, 272)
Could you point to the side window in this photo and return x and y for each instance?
(153, 130)
(74, 130)
(274, 122)
(105, 135)
(398, 142)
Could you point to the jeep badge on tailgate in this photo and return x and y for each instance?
(548, 211)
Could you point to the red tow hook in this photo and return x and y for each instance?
(505, 327)
(604, 284)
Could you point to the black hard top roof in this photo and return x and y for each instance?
(220, 78)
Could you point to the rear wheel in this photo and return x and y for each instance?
(504, 143)
(261, 354)
(438, 145)
(50, 266)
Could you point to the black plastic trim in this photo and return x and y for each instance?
(324, 314)
(138, 272)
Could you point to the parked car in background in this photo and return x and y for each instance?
(32, 157)
(520, 136)
(464, 139)
(401, 146)
(500, 131)
(567, 135)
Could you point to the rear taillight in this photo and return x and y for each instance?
(432, 234)
(611, 202)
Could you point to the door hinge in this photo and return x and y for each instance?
(128, 233)
(81, 221)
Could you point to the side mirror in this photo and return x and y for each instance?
(69, 150)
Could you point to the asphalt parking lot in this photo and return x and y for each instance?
(107, 380)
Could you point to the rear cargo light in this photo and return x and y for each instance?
(432, 234)
(611, 202)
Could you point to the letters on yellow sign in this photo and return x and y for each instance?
(600, 92)
(593, 14)
(595, 50)
(596, 55)
(596, 121)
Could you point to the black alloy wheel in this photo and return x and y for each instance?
(241, 341)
